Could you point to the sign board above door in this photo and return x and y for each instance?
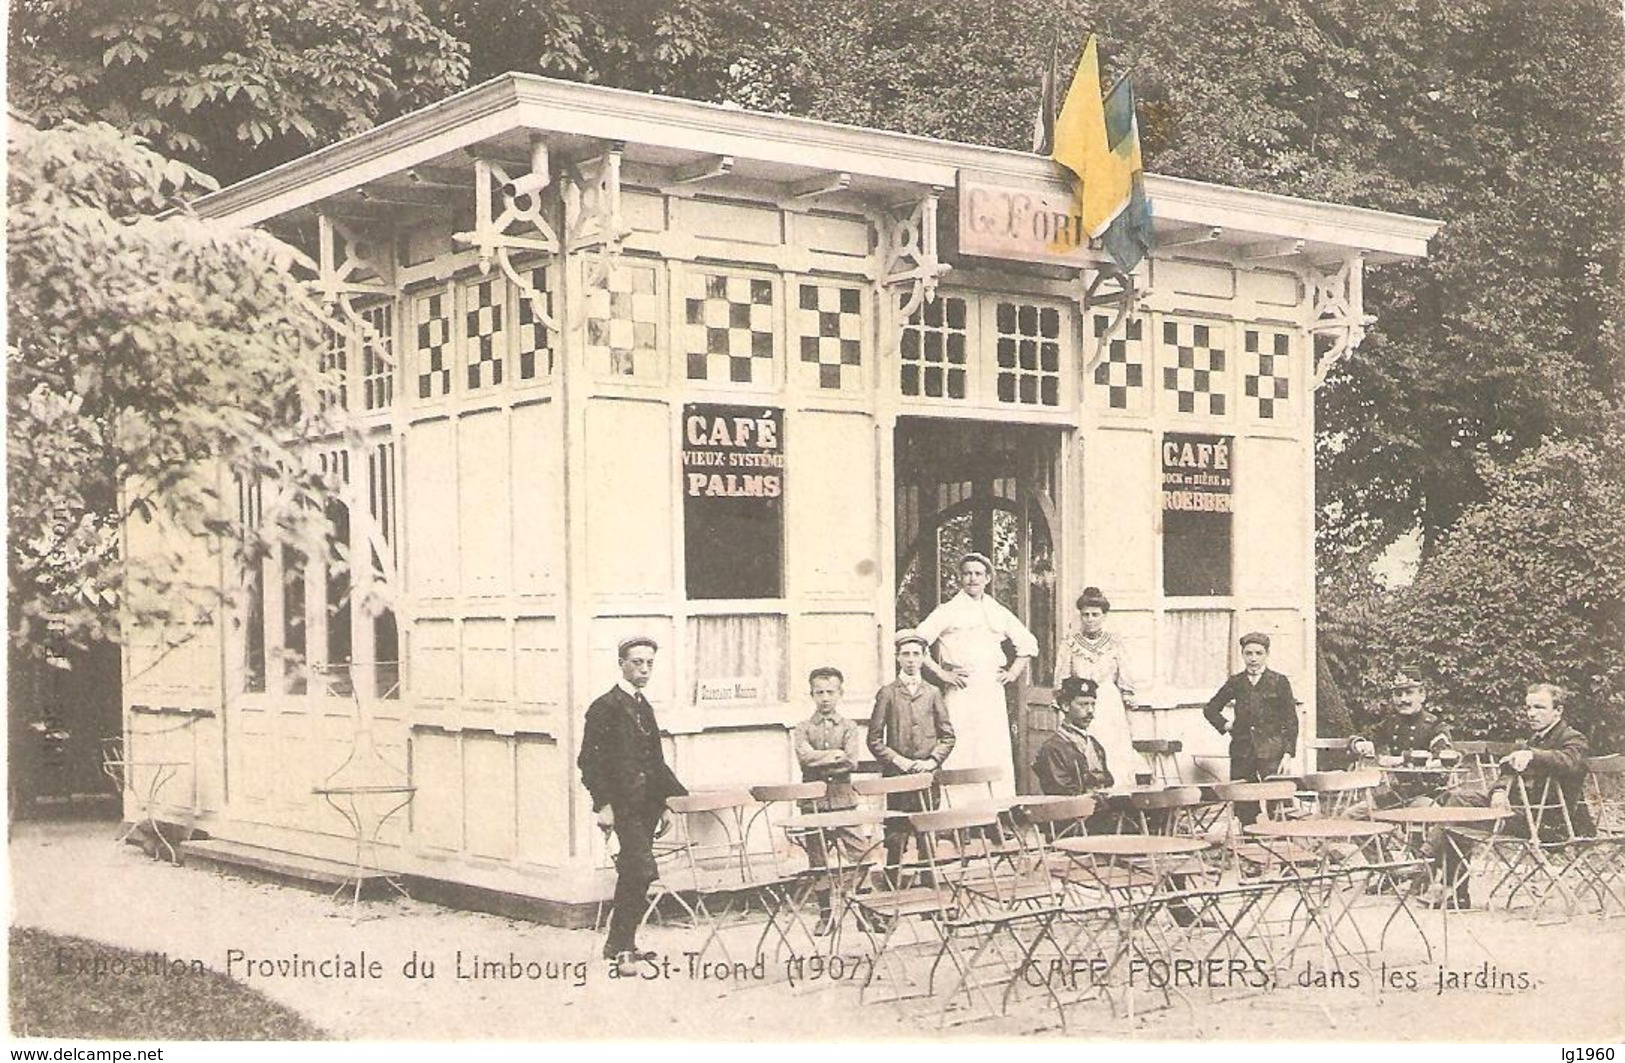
(1022, 223)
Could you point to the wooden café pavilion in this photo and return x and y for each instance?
(748, 384)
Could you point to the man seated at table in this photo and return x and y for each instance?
(1072, 762)
(1410, 727)
(828, 746)
(1551, 764)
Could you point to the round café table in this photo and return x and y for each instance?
(1418, 820)
(1330, 905)
(1165, 857)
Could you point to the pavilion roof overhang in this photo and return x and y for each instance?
(423, 160)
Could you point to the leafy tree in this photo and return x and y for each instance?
(673, 47)
(233, 86)
(1529, 586)
(149, 359)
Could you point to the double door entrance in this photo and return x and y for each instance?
(988, 488)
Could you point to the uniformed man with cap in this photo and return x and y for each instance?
(624, 769)
(1410, 727)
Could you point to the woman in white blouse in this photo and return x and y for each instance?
(968, 633)
(1091, 652)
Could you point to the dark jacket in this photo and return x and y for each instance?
(622, 764)
(1560, 756)
(1400, 733)
(1266, 723)
(1062, 768)
(912, 728)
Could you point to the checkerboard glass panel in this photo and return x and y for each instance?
(378, 357)
(1027, 342)
(728, 328)
(431, 344)
(1195, 367)
(1267, 382)
(622, 319)
(484, 330)
(534, 348)
(1119, 380)
(828, 327)
(934, 350)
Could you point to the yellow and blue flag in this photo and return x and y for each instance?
(1098, 139)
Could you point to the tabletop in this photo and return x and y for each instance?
(1422, 769)
(375, 788)
(1317, 828)
(1442, 815)
(1133, 845)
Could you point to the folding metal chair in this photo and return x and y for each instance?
(980, 955)
(1603, 854)
(1535, 854)
(703, 864)
(904, 795)
(1162, 755)
(1340, 794)
(974, 786)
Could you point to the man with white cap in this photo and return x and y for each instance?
(624, 769)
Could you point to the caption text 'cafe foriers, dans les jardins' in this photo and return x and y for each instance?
(748, 384)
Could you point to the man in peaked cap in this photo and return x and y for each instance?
(1264, 728)
(624, 769)
(1410, 726)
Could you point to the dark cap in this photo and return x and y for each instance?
(1074, 687)
(1257, 637)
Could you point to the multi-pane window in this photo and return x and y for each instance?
(432, 343)
(378, 357)
(934, 350)
(534, 346)
(335, 367)
(485, 338)
(1028, 353)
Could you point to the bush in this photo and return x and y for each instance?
(1529, 586)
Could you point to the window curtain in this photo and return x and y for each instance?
(1195, 650)
(730, 647)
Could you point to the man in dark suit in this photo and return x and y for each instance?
(1551, 764)
(909, 731)
(624, 769)
(1264, 727)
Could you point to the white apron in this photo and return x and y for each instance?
(970, 634)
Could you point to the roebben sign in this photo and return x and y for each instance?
(1196, 473)
(1032, 223)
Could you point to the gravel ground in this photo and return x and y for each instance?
(71, 879)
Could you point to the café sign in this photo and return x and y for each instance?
(1196, 473)
(1024, 223)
